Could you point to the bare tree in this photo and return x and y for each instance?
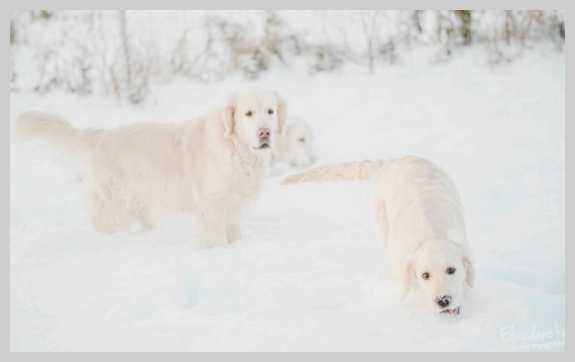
(369, 26)
(125, 48)
(416, 20)
(464, 17)
(510, 28)
(135, 77)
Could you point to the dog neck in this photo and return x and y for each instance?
(248, 159)
(422, 243)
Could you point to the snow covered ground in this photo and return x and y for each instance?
(309, 274)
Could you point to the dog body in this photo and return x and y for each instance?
(209, 167)
(419, 215)
(295, 146)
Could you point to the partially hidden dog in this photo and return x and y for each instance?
(295, 147)
(419, 214)
(209, 167)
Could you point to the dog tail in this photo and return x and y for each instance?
(55, 131)
(347, 171)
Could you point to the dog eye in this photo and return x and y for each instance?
(425, 276)
(249, 113)
(450, 270)
(270, 111)
(302, 140)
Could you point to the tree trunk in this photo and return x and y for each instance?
(126, 49)
(416, 18)
(464, 17)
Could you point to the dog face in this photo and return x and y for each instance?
(442, 272)
(299, 144)
(255, 118)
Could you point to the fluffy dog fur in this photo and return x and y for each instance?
(420, 216)
(209, 167)
(295, 147)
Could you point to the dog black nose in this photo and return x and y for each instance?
(443, 301)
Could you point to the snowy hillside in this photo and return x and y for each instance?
(309, 274)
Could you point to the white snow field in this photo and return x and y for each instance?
(309, 273)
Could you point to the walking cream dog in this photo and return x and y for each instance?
(295, 146)
(420, 216)
(209, 167)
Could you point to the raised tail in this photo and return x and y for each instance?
(347, 171)
(55, 131)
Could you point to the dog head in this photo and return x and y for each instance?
(299, 144)
(255, 118)
(442, 270)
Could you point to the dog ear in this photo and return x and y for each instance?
(229, 117)
(469, 272)
(407, 278)
(282, 113)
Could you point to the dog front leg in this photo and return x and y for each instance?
(213, 227)
(233, 221)
(234, 232)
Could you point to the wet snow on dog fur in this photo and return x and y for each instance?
(309, 273)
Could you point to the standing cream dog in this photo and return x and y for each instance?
(420, 217)
(209, 167)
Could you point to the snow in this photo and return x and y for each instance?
(309, 274)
